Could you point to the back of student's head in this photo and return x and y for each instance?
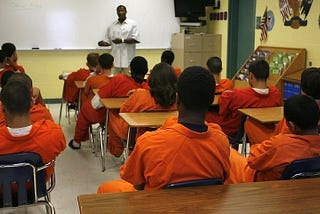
(167, 57)
(5, 77)
(106, 61)
(196, 88)
(310, 82)
(163, 84)
(16, 98)
(2, 56)
(260, 69)
(214, 65)
(92, 59)
(8, 48)
(21, 77)
(138, 66)
(302, 110)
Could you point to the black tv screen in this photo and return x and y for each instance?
(191, 9)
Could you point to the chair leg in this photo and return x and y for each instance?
(91, 139)
(60, 113)
(103, 149)
(49, 207)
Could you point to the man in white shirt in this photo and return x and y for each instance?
(122, 35)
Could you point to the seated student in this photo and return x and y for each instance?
(2, 62)
(310, 85)
(93, 111)
(105, 64)
(11, 58)
(168, 57)
(214, 65)
(268, 160)
(37, 110)
(258, 95)
(161, 96)
(190, 149)
(71, 91)
(20, 134)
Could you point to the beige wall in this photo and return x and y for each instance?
(283, 36)
(44, 66)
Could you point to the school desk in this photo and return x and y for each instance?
(143, 119)
(264, 115)
(282, 196)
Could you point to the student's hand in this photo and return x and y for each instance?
(131, 92)
(117, 41)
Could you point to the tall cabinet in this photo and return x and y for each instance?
(194, 49)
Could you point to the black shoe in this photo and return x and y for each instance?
(70, 144)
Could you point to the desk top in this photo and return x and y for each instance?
(147, 119)
(95, 90)
(282, 196)
(264, 115)
(113, 103)
(79, 84)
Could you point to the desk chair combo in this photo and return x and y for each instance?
(97, 137)
(23, 181)
(303, 168)
(194, 183)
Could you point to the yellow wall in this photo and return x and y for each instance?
(283, 36)
(44, 66)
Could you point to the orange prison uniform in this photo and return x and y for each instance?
(140, 101)
(229, 118)
(174, 154)
(268, 160)
(258, 132)
(118, 86)
(37, 112)
(177, 70)
(19, 68)
(45, 138)
(71, 92)
(94, 82)
(223, 85)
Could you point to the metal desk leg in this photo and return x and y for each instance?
(103, 145)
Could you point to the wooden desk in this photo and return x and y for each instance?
(264, 115)
(286, 196)
(143, 119)
(95, 90)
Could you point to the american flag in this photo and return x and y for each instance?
(284, 9)
(263, 26)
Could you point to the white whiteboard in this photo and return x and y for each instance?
(80, 24)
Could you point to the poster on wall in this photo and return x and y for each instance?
(295, 12)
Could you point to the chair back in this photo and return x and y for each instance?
(193, 183)
(303, 168)
(20, 183)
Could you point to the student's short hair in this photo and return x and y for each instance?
(92, 59)
(138, 66)
(214, 65)
(5, 77)
(122, 6)
(16, 98)
(310, 82)
(21, 77)
(106, 61)
(167, 57)
(8, 48)
(2, 56)
(163, 84)
(302, 110)
(196, 88)
(260, 69)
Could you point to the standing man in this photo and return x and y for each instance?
(122, 35)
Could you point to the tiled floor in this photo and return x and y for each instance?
(77, 172)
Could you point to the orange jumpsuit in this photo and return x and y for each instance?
(118, 86)
(37, 112)
(140, 101)
(94, 82)
(70, 89)
(268, 159)
(177, 70)
(223, 85)
(45, 138)
(229, 118)
(258, 132)
(173, 154)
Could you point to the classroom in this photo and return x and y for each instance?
(53, 38)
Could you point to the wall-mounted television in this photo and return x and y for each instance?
(190, 9)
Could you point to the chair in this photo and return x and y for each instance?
(303, 168)
(68, 105)
(23, 181)
(193, 183)
(240, 137)
(100, 138)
